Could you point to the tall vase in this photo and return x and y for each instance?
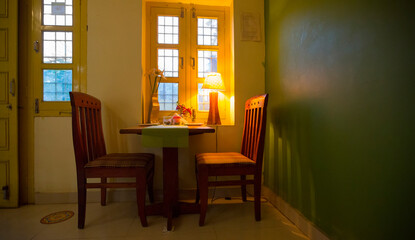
(153, 115)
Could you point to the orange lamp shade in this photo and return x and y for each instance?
(214, 82)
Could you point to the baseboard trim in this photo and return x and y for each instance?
(307, 227)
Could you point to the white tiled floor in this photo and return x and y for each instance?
(225, 220)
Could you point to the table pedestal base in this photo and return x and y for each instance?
(180, 208)
(171, 207)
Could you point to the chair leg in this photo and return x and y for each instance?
(243, 188)
(103, 192)
(141, 197)
(81, 204)
(197, 193)
(150, 188)
(257, 197)
(203, 190)
(197, 184)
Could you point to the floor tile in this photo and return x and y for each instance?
(119, 221)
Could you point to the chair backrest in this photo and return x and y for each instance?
(254, 128)
(88, 138)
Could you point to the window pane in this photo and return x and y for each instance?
(168, 61)
(202, 98)
(207, 31)
(57, 12)
(57, 47)
(207, 62)
(168, 96)
(56, 85)
(168, 30)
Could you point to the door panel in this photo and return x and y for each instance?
(8, 104)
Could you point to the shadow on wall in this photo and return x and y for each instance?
(116, 142)
(289, 170)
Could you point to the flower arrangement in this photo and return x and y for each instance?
(154, 77)
(183, 110)
(157, 75)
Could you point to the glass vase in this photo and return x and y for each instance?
(154, 109)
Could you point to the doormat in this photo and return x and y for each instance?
(57, 217)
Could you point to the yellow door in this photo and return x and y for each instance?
(8, 104)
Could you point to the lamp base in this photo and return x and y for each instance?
(214, 118)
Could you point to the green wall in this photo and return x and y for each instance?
(340, 145)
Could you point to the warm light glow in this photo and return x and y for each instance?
(199, 2)
(214, 81)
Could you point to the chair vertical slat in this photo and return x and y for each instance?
(251, 132)
(94, 138)
(98, 133)
(89, 134)
(254, 134)
(101, 134)
(83, 128)
(261, 138)
(258, 129)
(94, 135)
(248, 130)
(243, 147)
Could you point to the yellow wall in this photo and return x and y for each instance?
(54, 158)
(114, 76)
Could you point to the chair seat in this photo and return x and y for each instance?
(225, 159)
(122, 160)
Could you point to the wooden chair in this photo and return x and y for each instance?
(248, 162)
(92, 160)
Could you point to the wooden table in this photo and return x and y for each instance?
(171, 207)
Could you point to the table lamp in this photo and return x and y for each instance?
(213, 82)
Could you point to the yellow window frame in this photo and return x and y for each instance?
(188, 54)
(79, 58)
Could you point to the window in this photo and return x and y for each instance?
(59, 54)
(187, 42)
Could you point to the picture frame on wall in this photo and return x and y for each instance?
(251, 27)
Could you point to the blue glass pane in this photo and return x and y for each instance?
(67, 88)
(162, 108)
(59, 88)
(60, 76)
(49, 87)
(168, 96)
(56, 85)
(214, 65)
(60, 96)
(169, 88)
(48, 96)
(161, 89)
(68, 77)
(48, 76)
